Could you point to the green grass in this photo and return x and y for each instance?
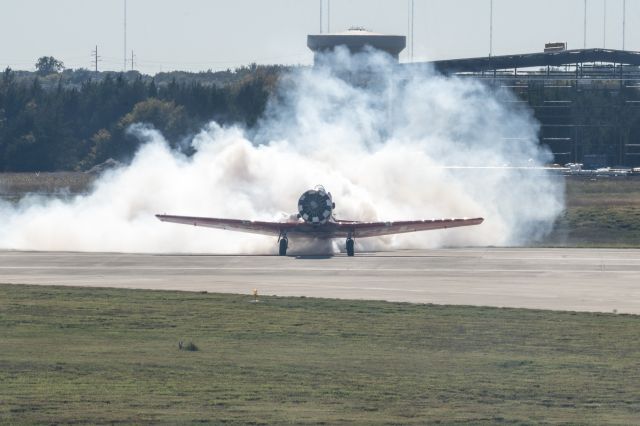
(603, 212)
(74, 355)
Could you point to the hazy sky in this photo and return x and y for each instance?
(219, 34)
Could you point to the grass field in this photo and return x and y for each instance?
(74, 355)
(14, 186)
(599, 213)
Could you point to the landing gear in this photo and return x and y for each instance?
(283, 245)
(350, 248)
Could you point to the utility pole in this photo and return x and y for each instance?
(125, 35)
(490, 27)
(329, 16)
(132, 59)
(96, 58)
(321, 16)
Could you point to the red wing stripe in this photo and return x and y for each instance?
(371, 229)
(329, 230)
(256, 227)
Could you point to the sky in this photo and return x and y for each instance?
(197, 35)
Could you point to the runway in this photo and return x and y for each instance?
(596, 280)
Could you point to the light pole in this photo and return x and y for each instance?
(604, 26)
(412, 29)
(490, 27)
(585, 24)
(624, 20)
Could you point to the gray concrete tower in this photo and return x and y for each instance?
(355, 39)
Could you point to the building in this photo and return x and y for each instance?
(356, 40)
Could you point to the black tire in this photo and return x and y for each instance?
(284, 243)
(350, 247)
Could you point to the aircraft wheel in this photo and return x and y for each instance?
(284, 243)
(350, 247)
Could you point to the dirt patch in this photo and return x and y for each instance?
(16, 185)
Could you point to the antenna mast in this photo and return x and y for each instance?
(321, 16)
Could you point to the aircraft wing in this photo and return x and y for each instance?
(373, 229)
(251, 226)
(337, 229)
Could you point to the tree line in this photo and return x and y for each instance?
(48, 123)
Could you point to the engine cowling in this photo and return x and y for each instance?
(315, 206)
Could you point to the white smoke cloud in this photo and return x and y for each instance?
(390, 143)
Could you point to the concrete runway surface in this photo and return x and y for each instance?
(560, 279)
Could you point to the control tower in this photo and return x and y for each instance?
(355, 39)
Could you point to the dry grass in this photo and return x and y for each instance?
(603, 192)
(14, 185)
(601, 212)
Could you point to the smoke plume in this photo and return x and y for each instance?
(389, 143)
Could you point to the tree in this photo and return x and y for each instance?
(8, 77)
(79, 122)
(48, 65)
(100, 149)
(167, 117)
(251, 99)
